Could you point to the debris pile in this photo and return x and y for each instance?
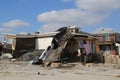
(33, 55)
(114, 59)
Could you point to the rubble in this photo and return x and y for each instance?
(55, 65)
(6, 56)
(33, 55)
(113, 59)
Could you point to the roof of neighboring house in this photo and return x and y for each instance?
(102, 31)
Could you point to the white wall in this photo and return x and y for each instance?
(43, 43)
(117, 44)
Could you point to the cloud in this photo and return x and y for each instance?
(15, 23)
(98, 6)
(50, 27)
(70, 16)
(87, 13)
(5, 30)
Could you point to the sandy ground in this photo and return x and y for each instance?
(25, 71)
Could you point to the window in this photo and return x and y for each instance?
(106, 37)
(105, 48)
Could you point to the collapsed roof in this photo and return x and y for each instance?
(62, 43)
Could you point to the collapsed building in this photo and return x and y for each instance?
(65, 44)
(18, 44)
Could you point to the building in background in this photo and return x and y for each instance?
(108, 41)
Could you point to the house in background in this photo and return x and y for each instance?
(108, 41)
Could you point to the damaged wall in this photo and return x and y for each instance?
(18, 44)
(24, 45)
(71, 51)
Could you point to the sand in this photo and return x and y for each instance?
(25, 71)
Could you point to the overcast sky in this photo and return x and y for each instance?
(19, 16)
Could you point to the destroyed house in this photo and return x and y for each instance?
(88, 39)
(18, 44)
(68, 45)
(108, 42)
(22, 43)
(86, 44)
(44, 40)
